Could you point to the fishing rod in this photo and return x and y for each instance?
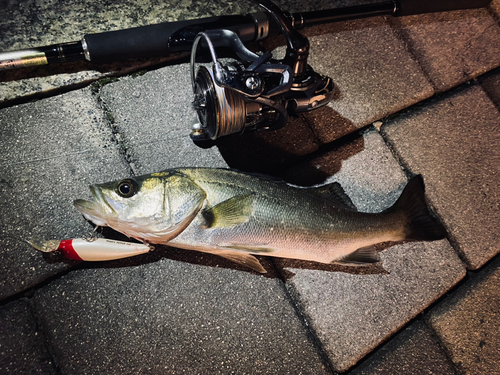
(164, 38)
(255, 92)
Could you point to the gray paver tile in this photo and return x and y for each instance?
(467, 323)
(353, 310)
(453, 47)
(453, 143)
(413, 351)
(51, 150)
(173, 317)
(22, 347)
(352, 314)
(153, 115)
(374, 73)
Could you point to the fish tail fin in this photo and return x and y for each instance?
(420, 224)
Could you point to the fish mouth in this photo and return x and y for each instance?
(94, 210)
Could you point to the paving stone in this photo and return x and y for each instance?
(352, 314)
(22, 346)
(452, 47)
(491, 84)
(153, 115)
(453, 143)
(374, 73)
(467, 322)
(412, 351)
(50, 151)
(353, 310)
(174, 317)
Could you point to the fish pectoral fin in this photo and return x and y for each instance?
(231, 212)
(242, 258)
(362, 256)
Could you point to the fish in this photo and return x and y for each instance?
(238, 215)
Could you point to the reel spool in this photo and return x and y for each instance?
(255, 92)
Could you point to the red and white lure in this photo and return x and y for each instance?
(95, 249)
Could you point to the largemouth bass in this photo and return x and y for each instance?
(237, 215)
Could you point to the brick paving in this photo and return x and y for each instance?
(431, 84)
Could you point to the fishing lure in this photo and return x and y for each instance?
(94, 249)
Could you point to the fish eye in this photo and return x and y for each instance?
(127, 188)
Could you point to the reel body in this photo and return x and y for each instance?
(255, 92)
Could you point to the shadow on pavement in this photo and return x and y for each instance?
(305, 152)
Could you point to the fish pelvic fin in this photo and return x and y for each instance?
(231, 212)
(420, 224)
(244, 259)
(361, 257)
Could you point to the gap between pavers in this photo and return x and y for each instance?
(414, 350)
(51, 151)
(153, 115)
(491, 85)
(453, 142)
(22, 345)
(353, 310)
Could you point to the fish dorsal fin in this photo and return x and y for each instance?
(335, 194)
(362, 256)
(244, 259)
(231, 212)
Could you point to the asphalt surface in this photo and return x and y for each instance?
(414, 95)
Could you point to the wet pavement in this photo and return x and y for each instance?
(415, 95)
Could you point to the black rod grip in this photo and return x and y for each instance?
(410, 7)
(152, 40)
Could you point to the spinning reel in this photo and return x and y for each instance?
(256, 92)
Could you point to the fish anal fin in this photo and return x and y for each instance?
(244, 259)
(231, 212)
(362, 256)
